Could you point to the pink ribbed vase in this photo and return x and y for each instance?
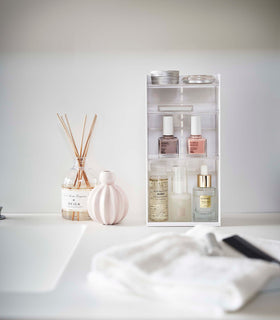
(107, 203)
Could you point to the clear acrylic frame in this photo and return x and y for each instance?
(182, 101)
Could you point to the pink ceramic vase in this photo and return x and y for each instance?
(107, 203)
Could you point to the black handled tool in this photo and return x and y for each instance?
(248, 249)
(2, 217)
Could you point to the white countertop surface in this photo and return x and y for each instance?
(73, 298)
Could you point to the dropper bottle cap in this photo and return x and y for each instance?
(204, 179)
(167, 124)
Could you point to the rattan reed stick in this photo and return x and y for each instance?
(83, 148)
(80, 162)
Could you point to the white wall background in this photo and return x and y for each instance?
(92, 57)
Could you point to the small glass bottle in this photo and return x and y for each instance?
(196, 144)
(75, 190)
(204, 198)
(158, 195)
(168, 145)
(179, 199)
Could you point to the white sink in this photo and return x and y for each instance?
(32, 258)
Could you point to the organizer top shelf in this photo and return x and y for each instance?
(181, 84)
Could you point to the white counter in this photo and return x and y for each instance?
(73, 298)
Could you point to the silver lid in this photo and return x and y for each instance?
(165, 80)
(199, 79)
(165, 73)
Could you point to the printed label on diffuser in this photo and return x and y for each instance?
(205, 201)
(74, 199)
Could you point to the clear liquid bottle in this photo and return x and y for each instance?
(158, 195)
(204, 198)
(76, 187)
(179, 199)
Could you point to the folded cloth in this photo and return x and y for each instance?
(174, 267)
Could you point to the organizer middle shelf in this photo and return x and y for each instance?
(193, 165)
(185, 128)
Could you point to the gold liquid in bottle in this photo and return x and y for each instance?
(158, 198)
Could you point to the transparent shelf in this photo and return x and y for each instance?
(183, 157)
(178, 128)
(191, 113)
(183, 85)
(182, 224)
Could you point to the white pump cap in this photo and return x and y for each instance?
(195, 126)
(204, 170)
(167, 124)
(179, 179)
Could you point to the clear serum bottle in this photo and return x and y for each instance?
(179, 198)
(168, 145)
(204, 198)
(196, 144)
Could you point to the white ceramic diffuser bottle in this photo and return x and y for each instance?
(107, 203)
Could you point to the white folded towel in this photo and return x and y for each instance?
(174, 267)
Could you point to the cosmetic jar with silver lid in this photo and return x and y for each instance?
(165, 77)
(196, 79)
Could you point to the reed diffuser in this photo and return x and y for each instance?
(80, 180)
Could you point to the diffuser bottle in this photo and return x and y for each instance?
(75, 191)
(179, 198)
(204, 198)
(168, 145)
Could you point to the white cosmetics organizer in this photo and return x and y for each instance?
(183, 101)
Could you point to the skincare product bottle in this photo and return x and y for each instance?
(196, 144)
(179, 199)
(75, 190)
(158, 194)
(168, 145)
(204, 198)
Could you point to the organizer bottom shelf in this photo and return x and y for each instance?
(183, 193)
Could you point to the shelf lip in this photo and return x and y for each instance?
(195, 173)
(179, 128)
(185, 112)
(184, 157)
(179, 104)
(181, 224)
(183, 85)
